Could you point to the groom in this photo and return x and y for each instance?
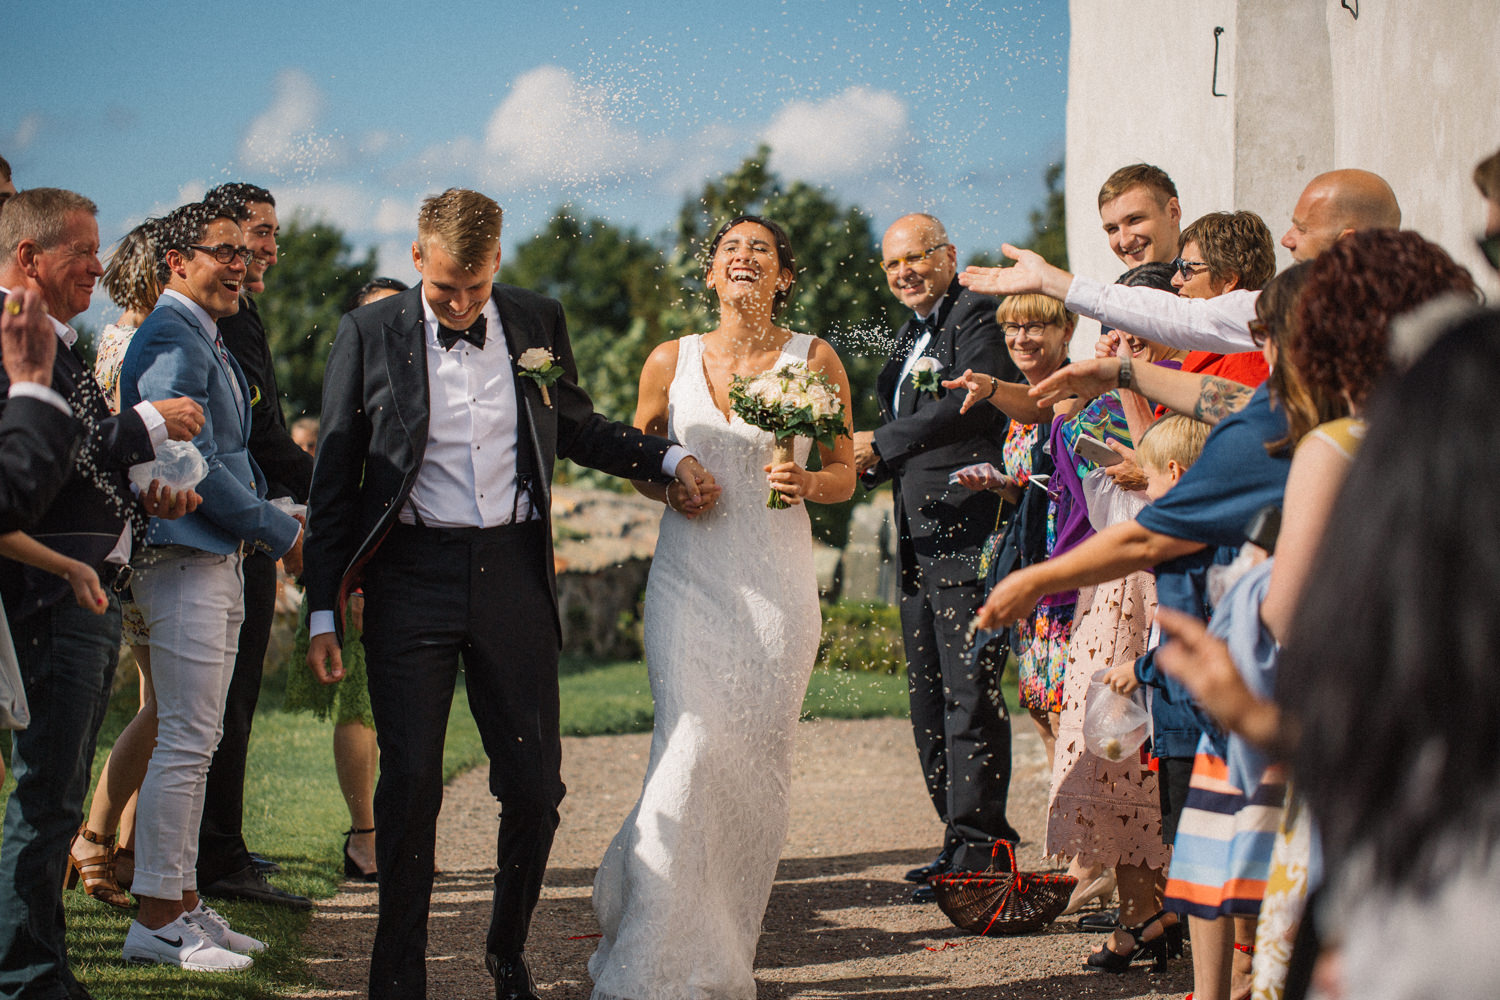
(432, 491)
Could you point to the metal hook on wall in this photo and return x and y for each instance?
(1213, 87)
(1353, 10)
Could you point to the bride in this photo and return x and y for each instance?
(732, 625)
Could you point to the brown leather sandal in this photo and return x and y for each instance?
(97, 872)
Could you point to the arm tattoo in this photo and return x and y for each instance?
(1220, 397)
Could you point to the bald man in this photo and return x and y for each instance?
(959, 720)
(1336, 204)
(1332, 206)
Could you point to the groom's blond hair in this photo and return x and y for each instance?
(465, 222)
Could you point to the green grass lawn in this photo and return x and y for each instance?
(295, 814)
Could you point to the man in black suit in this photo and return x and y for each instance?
(959, 717)
(49, 243)
(444, 408)
(37, 428)
(226, 867)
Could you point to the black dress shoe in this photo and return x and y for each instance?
(247, 883)
(940, 865)
(924, 894)
(77, 992)
(1099, 920)
(263, 864)
(512, 979)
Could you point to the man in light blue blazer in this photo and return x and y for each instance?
(189, 582)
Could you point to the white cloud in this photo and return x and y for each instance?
(552, 128)
(853, 133)
(26, 132)
(348, 206)
(284, 139)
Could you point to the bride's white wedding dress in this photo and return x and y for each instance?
(731, 627)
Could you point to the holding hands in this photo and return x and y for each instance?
(694, 491)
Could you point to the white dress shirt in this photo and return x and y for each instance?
(468, 473)
(1220, 325)
(917, 348)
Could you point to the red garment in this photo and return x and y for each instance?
(1246, 368)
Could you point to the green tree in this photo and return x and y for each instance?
(1049, 223)
(316, 275)
(613, 287)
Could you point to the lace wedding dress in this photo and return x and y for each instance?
(732, 625)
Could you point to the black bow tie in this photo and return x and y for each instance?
(447, 336)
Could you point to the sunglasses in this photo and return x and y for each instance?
(226, 252)
(1188, 268)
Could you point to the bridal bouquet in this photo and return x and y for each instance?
(789, 401)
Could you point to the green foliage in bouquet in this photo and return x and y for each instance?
(790, 401)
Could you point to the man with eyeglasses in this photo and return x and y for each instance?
(49, 249)
(959, 719)
(1332, 206)
(189, 582)
(226, 867)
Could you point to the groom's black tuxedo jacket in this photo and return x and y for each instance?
(373, 429)
(921, 443)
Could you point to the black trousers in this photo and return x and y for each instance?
(959, 717)
(221, 839)
(436, 597)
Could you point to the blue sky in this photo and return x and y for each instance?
(354, 112)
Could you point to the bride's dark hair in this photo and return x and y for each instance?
(784, 256)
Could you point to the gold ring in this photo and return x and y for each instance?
(13, 307)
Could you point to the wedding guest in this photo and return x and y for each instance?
(424, 525)
(131, 281)
(304, 431)
(959, 722)
(190, 585)
(1141, 215)
(1109, 814)
(1333, 205)
(227, 868)
(49, 245)
(1403, 785)
(37, 434)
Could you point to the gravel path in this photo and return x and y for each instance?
(839, 924)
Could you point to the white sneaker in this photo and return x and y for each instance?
(214, 927)
(180, 943)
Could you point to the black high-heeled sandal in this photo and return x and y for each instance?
(1106, 959)
(351, 869)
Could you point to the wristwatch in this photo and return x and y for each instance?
(1126, 377)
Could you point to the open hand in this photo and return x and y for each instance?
(1012, 599)
(1031, 273)
(978, 385)
(1084, 379)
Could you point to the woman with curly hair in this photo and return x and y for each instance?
(1334, 353)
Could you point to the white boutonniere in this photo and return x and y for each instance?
(924, 374)
(538, 364)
